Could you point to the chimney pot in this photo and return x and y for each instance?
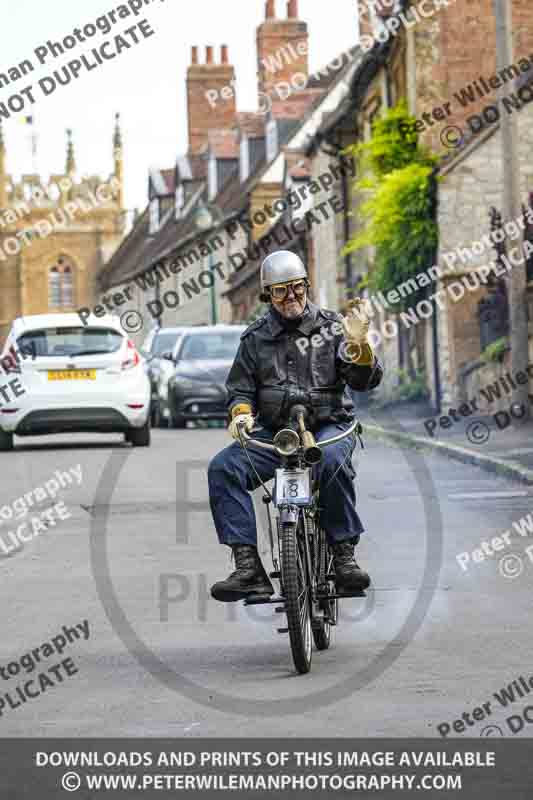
(209, 54)
(270, 12)
(224, 54)
(194, 55)
(292, 9)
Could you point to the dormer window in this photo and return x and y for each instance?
(244, 159)
(272, 146)
(212, 178)
(154, 216)
(180, 200)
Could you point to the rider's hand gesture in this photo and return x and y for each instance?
(356, 324)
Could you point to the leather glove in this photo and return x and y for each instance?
(356, 325)
(245, 420)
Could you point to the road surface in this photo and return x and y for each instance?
(431, 642)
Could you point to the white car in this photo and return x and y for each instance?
(59, 375)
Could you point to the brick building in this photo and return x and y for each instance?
(236, 164)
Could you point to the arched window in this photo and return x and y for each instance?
(61, 285)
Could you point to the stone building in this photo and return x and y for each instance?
(56, 235)
(444, 65)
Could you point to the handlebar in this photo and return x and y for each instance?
(324, 443)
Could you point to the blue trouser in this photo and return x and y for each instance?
(231, 480)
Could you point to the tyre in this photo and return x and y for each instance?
(296, 592)
(140, 437)
(176, 420)
(158, 420)
(6, 440)
(328, 608)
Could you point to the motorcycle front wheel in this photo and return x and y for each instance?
(297, 594)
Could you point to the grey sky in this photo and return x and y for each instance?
(145, 83)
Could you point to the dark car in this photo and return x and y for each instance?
(204, 357)
(157, 347)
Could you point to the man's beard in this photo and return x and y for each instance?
(294, 310)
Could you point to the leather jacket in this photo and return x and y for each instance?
(280, 362)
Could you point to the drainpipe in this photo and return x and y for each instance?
(434, 316)
(348, 258)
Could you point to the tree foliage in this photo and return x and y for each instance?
(399, 212)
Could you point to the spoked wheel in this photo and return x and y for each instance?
(296, 591)
(329, 608)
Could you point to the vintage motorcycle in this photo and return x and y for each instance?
(301, 555)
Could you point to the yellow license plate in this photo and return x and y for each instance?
(72, 375)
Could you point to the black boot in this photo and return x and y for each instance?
(350, 576)
(249, 577)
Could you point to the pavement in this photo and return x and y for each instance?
(502, 445)
(135, 560)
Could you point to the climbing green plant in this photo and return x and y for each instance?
(399, 213)
(495, 352)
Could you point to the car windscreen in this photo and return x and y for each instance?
(163, 342)
(210, 346)
(75, 341)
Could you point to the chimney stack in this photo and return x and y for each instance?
(282, 49)
(292, 9)
(211, 101)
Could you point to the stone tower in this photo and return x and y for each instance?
(56, 234)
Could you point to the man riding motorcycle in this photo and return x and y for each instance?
(295, 349)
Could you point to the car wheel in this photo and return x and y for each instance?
(140, 437)
(156, 416)
(160, 420)
(176, 420)
(6, 440)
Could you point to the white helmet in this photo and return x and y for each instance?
(281, 267)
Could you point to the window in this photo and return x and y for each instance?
(271, 140)
(71, 341)
(164, 342)
(60, 285)
(211, 346)
(154, 216)
(212, 178)
(180, 200)
(245, 159)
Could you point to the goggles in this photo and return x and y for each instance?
(281, 290)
